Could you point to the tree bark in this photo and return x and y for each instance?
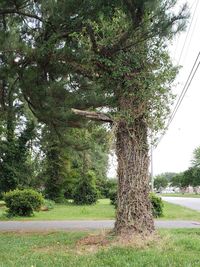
(134, 215)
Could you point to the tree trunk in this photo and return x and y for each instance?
(10, 117)
(134, 215)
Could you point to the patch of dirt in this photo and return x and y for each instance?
(92, 243)
(99, 240)
(44, 208)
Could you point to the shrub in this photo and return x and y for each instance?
(23, 202)
(157, 205)
(156, 202)
(86, 191)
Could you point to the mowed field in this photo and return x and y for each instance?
(171, 248)
(102, 210)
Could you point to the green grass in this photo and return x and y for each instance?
(181, 195)
(175, 212)
(176, 248)
(102, 210)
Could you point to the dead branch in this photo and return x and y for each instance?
(92, 115)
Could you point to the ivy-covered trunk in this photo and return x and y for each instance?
(134, 214)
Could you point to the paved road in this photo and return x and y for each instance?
(42, 226)
(192, 203)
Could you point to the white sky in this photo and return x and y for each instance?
(174, 152)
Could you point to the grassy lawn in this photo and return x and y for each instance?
(102, 210)
(181, 195)
(175, 248)
(175, 212)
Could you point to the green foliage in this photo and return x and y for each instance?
(67, 153)
(177, 180)
(15, 166)
(160, 182)
(106, 186)
(23, 202)
(168, 175)
(190, 177)
(86, 191)
(156, 202)
(196, 157)
(94, 58)
(157, 205)
(113, 197)
(54, 171)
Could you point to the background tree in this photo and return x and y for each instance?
(177, 180)
(86, 191)
(160, 182)
(168, 175)
(190, 177)
(196, 158)
(68, 159)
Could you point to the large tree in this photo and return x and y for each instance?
(102, 54)
(132, 72)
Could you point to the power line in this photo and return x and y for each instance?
(183, 93)
(178, 40)
(193, 30)
(188, 31)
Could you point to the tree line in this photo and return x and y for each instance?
(189, 177)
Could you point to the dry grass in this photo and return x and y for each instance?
(106, 240)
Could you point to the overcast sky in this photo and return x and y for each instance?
(174, 152)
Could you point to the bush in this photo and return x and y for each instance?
(86, 191)
(23, 202)
(157, 205)
(156, 202)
